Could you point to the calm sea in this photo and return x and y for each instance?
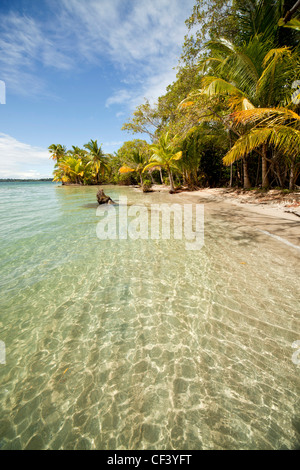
(123, 344)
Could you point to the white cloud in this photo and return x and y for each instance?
(152, 88)
(110, 147)
(25, 45)
(21, 160)
(141, 38)
(119, 97)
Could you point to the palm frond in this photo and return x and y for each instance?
(283, 138)
(267, 116)
(279, 67)
(214, 86)
(294, 23)
(153, 164)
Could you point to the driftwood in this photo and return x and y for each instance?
(103, 199)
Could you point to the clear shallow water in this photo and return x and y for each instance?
(142, 344)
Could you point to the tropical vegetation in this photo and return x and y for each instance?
(231, 117)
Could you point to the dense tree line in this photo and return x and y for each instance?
(230, 118)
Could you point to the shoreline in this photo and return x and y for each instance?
(271, 202)
(270, 213)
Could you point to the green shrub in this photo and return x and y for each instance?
(126, 179)
(147, 185)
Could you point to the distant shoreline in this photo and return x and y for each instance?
(15, 180)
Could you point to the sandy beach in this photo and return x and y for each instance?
(272, 213)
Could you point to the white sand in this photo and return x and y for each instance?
(271, 213)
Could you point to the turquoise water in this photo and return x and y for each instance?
(141, 344)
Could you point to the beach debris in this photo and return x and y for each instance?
(103, 199)
(293, 212)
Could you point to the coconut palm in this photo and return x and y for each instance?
(57, 151)
(251, 76)
(137, 163)
(77, 152)
(164, 156)
(97, 159)
(70, 169)
(279, 128)
(59, 175)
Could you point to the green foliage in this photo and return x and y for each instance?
(57, 151)
(145, 119)
(231, 100)
(79, 166)
(203, 150)
(237, 21)
(128, 148)
(293, 24)
(147, 186)
(126, 180)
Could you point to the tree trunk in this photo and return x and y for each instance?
(247, 184)
(292, 177)
(161, 177)
(151, 176)
(172, 189)
(239, 173)
(231, 166)
(257, 174)
(264, 168)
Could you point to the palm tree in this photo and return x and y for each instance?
(57, 151)
(279, 128)
(164, 156)
(97, 156)
(71, 169)
(136, 163)
(77, 152)
(251, 76)
(262, 17)
(59, 175)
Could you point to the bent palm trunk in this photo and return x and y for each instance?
(172, 189)
(247, 184)
(161, 176)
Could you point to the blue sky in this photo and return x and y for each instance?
(74, 70)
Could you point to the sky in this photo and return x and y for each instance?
(74, 70)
